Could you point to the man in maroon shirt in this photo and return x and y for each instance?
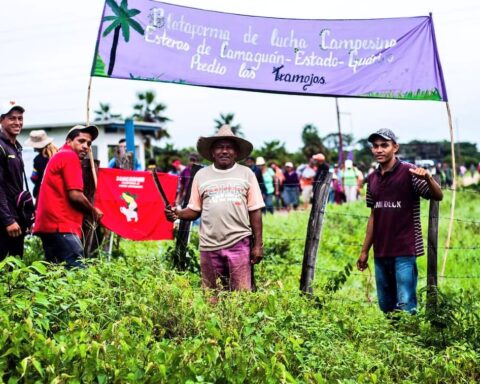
(393, 194)
(61, 202)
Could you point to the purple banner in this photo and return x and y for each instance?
(392, 58)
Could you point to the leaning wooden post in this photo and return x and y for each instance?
(315, 222)
(183, 234)
(432, 252)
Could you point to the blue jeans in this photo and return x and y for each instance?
(268, 199)
(396, 279)
(63, 247)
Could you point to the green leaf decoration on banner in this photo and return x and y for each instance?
(99, 68)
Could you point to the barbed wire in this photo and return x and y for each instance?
(420, 276)
(359, 245)
(329, 213)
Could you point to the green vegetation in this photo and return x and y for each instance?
(433, 94)
(134, 320)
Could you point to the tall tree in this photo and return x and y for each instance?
(104, 113)
(312, 142)
(228, 119)
(122, 20)
(149, 110)
(273, 151)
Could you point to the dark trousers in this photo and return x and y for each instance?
(63, 248)
(10, 246)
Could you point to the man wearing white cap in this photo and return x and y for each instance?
(228, 197)
(62, 204)
(11, 179)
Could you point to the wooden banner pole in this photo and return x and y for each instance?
(454, 192)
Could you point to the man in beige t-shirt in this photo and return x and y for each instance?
(228, 198)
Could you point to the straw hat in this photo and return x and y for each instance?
(260, 161)
(38, 139)
(204, 144)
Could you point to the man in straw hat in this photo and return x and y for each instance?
(11, 179)
(39, 140)
(61, 203)
(228, 197)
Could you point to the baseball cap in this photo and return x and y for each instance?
(384, 133)
(92, 129)
(7, 106)
(318, 156)
(176, 163)
(289, 164)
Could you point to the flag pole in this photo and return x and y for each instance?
(90, 152)
(454, 192)
(340, 138)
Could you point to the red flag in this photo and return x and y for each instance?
(132, 205)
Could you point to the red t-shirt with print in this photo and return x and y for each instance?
(55, 212)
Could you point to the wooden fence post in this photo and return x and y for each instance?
(432, 253)
(92, 237)
(183, 233)
(314, 230)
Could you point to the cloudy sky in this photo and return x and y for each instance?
(47, 49)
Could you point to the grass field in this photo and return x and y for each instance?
(135, 320)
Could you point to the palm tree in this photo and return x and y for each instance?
(148, 110)
(122, 20)
(312, 143)
(332, 141)
(274, 151)
(104, 113)
(227, 119)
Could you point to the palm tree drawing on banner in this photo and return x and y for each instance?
(122, 20)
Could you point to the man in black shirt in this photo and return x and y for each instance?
(11, 179)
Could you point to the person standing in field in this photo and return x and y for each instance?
(270, 182)
(350, 181)
(307, 179)
(393, 194)
(291, 188)
(12, 234)
(61, 202)
(228, 197)
(120, 159)
(185, 177)
(42, 144)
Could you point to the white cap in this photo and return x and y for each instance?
(7, 106)
(289, 164)
(260, 161)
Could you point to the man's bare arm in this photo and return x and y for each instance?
(183, 214)
(81, 203)
(257, 229)
(362, 262)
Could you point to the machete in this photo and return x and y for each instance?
(160, 189)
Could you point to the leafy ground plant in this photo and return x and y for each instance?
(135, 320)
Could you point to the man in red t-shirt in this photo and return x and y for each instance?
(393, 194)
(61, 203)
